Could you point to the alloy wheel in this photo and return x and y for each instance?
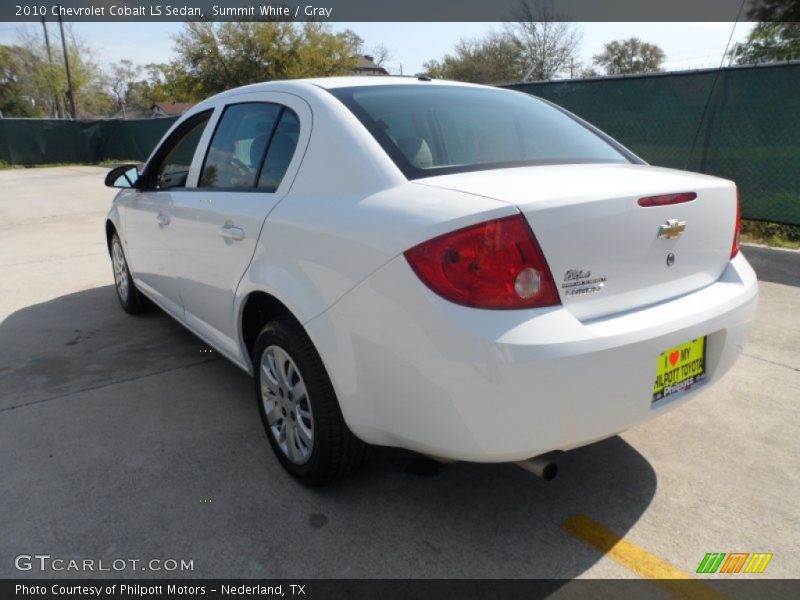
(120, 271)
(286, 405)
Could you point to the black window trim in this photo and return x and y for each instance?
(411, 172)
(150, 172)
(269, 145)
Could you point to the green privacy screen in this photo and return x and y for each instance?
(44, 141)
(750, 132)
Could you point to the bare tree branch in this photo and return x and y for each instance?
(549, 44)
(380, 55)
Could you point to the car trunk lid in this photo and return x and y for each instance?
(607, 253)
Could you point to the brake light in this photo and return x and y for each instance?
(666, 199)
(497, 264)
(737, 230)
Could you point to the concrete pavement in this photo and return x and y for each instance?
(121, 437)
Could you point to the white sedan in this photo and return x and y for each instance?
(468, 272)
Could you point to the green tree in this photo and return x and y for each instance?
(44, 80)
(539, 45)
(125, 86)
(213, 57)
(15, 65)
(775, 11)
(769, 42)
(495, 58)
(163, 83)
(630, 56)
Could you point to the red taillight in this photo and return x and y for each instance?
(666, 199)
(737, 230)
(497, 264)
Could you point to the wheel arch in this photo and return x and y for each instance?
(258, 308)
(112, 225)
(111, 229)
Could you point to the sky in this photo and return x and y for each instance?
(687, 45)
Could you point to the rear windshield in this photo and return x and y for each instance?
(438, 129)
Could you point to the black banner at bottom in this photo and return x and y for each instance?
(388, 589)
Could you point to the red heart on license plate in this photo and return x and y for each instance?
(673, 358)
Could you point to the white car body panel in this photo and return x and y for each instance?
(209, 267)
(586, 217)
(378, 227)
(410, 368)
(508, 385)
(148, 248)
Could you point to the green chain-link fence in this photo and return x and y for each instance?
(46, 141)
(750, 129)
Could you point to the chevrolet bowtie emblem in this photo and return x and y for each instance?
(671, 229)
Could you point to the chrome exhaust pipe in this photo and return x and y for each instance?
(542, 466)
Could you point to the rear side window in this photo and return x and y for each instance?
(281, 150)
(435, 129)
(237, 149)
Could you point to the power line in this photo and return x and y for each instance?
(713, 87)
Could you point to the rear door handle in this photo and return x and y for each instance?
(163, 219)
(230, 232)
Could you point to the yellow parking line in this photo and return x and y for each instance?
(638, 560)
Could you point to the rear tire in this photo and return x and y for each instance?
(129, 297)
(299, 408)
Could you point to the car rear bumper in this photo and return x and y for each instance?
(415, 371)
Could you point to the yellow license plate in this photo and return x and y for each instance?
(679, 368)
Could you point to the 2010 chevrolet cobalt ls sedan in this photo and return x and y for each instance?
(468, 272)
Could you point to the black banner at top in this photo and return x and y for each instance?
(401, 10)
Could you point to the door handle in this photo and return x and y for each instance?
(163, 219)
(231, 233)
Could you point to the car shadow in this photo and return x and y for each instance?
(128, 437)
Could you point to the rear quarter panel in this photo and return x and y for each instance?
(348, 212)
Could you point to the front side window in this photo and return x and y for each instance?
(173, 169)
(237, 149)
(435, 129)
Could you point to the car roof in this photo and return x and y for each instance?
(329, 83)
(375, 80)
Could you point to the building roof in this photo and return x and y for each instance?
(172, 108)
(367, 64)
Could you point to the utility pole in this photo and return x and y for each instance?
(70, 91)
(56, 104)
(732, 54)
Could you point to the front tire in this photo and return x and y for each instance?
(299, 409)
(130, 299)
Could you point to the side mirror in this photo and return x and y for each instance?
(123, 176)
